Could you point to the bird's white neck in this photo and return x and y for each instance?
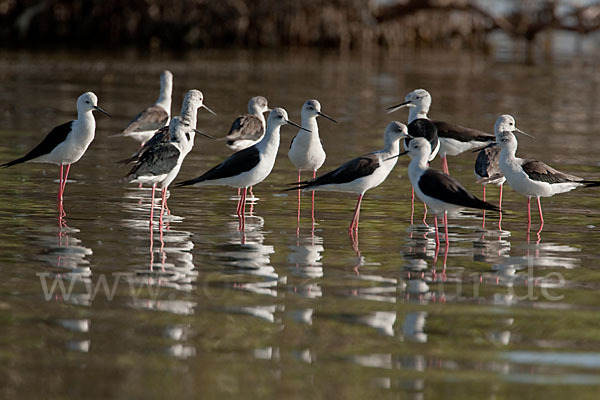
(269, 144)
(416, 167)
(164, 100)
(189, 113)
(310, 123)
(417, 112)
(391, 145)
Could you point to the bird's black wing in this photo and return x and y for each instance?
(538, 171)
(444, 187)
(158, 160)
(349, 171)
(461, 133)
(151, 119)
(52, 139)
(238, 163)
(160, 136)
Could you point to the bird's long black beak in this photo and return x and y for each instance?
(101, 110)
(397, 155)
(523, 133)
(325, 116)
(208, 109)
(204, 134)
(397, 107)
(492, 144)
(297, 126)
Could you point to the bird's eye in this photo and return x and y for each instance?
(187, 135)
(87, 102)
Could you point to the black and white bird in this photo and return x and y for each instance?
(66, 143)
(454, 139)
(422, 127)
(249, 166)
(306, 150)
(142, 126)
(441, 192)
(193, 100)
(531, 178)
(161, 163)
(362, 173)
(248, 129)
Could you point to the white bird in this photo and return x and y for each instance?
(306, 150)
(439, 191)
(142, 126)
(362, 173)
(66, 143)
(249, 129)
(531, 178)
(249, 166)
(454, 139)
(161, 163)
(193, 100)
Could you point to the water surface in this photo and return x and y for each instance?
(203, 310)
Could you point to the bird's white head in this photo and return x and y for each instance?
(419, 101)
(89, 102)
(312, 109)
(395, 131)
(258, 105)
(419, 148)
(279, 117)
(504, 123)
(193, 100)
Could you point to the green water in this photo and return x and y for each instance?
(211, 312)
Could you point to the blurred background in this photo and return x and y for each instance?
(342, 24)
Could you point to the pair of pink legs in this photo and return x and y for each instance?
(312, 207)
(163, 205)
(499, 206)
(529, 216)
(437, 235)
(62, 182)
(241, 209)
(412, 208)
(353, 228)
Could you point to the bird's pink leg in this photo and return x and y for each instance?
(412, 205)
(354, 223)
(64, 182)
(298, 208)
(313, 203)
(152, 206)
(437, 235)
(239, 204)
(500, 201)
(528, 213)
(239, 192)
(541, 216)
(483, 223)
(446, 226)
(251, 192)
(445, 165)
(60, 185)
(242, 225)
(163, 204)
(425, 214)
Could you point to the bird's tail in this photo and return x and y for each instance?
(13, 162)
(484, 205)
(298, 185)
(188, 182)
(128, 160)
(591, 183)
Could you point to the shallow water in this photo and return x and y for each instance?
(204, 310)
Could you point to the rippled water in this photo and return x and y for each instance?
(105, 307)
